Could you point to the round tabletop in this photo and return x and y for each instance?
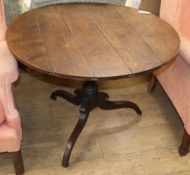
(91, 41)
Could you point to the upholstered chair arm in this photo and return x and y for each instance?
(12, 118)
(2, 114)
(8, 75)
(185, 49)
(2, 22)
(8, 64)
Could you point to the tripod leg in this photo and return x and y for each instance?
(84, 113)
(74, 99)
(108, 105)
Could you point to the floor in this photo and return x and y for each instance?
(116, 142)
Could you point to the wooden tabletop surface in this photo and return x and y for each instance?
(91, 41)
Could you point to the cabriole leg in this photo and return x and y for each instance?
(74, 99)
(84, 113)
(103, 103)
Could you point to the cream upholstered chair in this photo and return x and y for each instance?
(133, 3)
(10, 128)
(175, 78)
(27, 4)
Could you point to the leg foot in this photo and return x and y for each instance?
(74, 99)
(84, 113)
(18, 163)
(153, 83)
(184, 148)
(108, 105)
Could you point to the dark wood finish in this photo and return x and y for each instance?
(18, 162)
(184, 148)
(88, 97)
(91, 41)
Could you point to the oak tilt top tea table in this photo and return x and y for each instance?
(91, 42)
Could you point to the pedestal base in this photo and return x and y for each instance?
(88, 97)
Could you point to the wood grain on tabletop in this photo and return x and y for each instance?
(91, 41)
